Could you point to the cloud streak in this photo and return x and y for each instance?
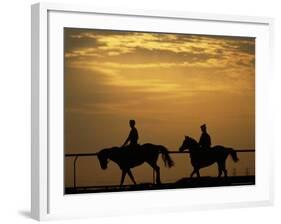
(133, 50)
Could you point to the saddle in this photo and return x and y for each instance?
(132, 147)
(205, 149)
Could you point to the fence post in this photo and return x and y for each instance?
(74, 171)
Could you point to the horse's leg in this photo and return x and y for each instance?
(157, 170)
(219, 169)
(223, 169)
(123, 177)
(131, 176)
(192, 173)
(197, 172)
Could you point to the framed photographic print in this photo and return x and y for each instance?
(162, 111)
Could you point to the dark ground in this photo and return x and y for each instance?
(182, 183)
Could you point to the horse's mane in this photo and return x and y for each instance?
(194, 144)
(109, 150)
(193, 141)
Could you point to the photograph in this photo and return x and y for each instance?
(153, 110)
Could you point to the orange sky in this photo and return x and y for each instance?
(169, 83)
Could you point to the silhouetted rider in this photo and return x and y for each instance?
(205, 139)
(133, 136)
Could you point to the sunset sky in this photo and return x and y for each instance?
(169, 83)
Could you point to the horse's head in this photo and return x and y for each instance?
(188, 143)
(102, 159)
(184, 144)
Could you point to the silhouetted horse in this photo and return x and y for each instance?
(205, 157)
(129, 158)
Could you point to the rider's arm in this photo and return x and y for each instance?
(200, 140)
(127, 140)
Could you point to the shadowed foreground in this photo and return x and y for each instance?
(182, 183)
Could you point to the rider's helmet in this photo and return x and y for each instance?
(203, 127)
(132, 122)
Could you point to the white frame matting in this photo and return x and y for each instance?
(48, 200)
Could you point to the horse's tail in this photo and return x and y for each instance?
(166, 157)
(233, 154)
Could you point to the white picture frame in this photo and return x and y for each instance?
(47, 198)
